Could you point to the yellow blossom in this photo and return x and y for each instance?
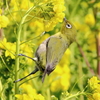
(28, 89)
(94, 88)
(23, 97)
(3, 43)
(10, 50)
(52, 14)
(90, 20)
(97, 5)
(29, 93)
(37, 26)
(39, 97)
(49, 12)
(25, 4)
(8, 47)
(93, 83)
(96, 96)
(13, 2)
(82, 27)
(3, 21)
(58, 8)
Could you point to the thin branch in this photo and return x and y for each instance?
(85, 58)
(98, 53)
(97, 37)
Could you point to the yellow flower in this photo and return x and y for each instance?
(94, 83)
(3, 21)
(25, 4)
(29, 93)
(96, 96)
(37, 26)
(28, 89)
(13, 2)
(51, 13)
(3, 43)
(82, 27)
(39, 97)
(58, 8)
(23, 97)
(48, 14)
(8, 47)
(90, 20)
(10, 50)
(94, 88)
(97, 5)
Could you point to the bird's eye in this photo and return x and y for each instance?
(69, 26)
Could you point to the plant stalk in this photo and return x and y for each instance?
(85, 59)
(18, 46)
(98, 53)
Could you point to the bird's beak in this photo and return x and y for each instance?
(64, 19)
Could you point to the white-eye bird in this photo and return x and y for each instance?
(50, 52)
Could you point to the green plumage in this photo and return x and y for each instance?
(52, 49)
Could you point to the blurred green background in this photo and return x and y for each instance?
(79, 63)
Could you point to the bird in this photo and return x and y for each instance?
(51, 50)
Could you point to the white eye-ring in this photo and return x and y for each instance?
(69, 26)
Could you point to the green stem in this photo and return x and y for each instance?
(18, 46)
(85, 58)
(48, 94)
(75, 95)
(17, 59)
(98, 53)
(81, 80)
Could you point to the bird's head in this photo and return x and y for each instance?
(68, 30)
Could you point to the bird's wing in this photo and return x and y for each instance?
(41, 54)
(55, 49)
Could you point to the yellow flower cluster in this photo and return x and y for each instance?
(87, 32)
(94, 89)
(56, 14)
(47, 12)
(18, 8)
(90, 20)
(60, 79)
(10, 48)
(97, 5)
(23, 4)
(29, 93)
(3, 21)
